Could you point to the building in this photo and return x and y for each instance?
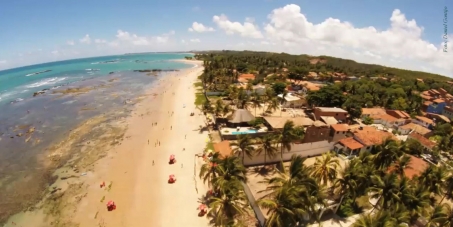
(348, 146)
(319, 131)
(380, 116)
(370, 137)
(244, 78)
(448, 112)
(412, 127)
(424, 121)
(292, 101)
(438, 118)
(437, 106)
(398, 114)
(427, 144)
(338, 132)
(277, 123)
(309, 86)
(415, 167)
(338, 113)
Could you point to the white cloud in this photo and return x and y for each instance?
(248, 29)
(86, 39)
(183, 41)
(195, 40)
(70, 42)
(402, 40)
(100, 41)
(199, 27)
(3, 62)
(55, 52)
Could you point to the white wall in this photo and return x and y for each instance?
(303, 149)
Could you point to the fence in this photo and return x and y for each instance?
(258, 213)
(303, 149)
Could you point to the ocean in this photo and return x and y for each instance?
(48, 112)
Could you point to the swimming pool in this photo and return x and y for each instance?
(246, 132)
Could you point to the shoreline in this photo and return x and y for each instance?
(138, 188)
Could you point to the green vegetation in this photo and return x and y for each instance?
(297, 192)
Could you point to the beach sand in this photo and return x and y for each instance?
(136, 171)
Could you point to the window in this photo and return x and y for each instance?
(338, 132)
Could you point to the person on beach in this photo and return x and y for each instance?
(185, 136)
(153, 162)
(171, 127)
(148, 142)
(183, 149)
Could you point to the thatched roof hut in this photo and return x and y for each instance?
(241, 116)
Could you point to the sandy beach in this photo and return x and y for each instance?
(136, 171)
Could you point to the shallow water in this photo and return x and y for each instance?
(34, 128)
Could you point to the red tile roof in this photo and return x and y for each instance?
(424, 141)
(438, 101)
(371, 136)
(340, 127)
(351, 143)
(223, 148)
(415, 168)
(425, 119)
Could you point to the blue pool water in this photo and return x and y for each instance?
(246, 132)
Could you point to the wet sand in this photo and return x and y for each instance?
(136, 171)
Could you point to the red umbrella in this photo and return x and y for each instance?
(110, 203)
(172, 156)
(172, 177)
(202, 207)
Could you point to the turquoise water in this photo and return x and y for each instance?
(246, 132)
(25, 169)
(19, 83)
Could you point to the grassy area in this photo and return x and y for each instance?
(210, 145)
(198, 84)
(199, 99)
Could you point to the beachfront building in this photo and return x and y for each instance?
(427, 144)
(238, 124)
(363, 139)
(319, 131)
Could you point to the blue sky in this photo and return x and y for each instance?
(39, 31)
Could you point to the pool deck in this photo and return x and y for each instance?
(242, 130)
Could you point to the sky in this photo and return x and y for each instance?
(410, 34)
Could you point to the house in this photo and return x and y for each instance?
(415, 167)
(244, 78)
(448, 112)
(329, 120)
(424, 121)
(370, 137)
(277, 123)
(427, 144)
(398, 114)
(319, 131)
(380, 116)
(437, 106)
(438, 117)
(223, 148)
(292, 101)
(348, 146)
(337, 113)
(412, 127)
(309, 86)
(338, 131)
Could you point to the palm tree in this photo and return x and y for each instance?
(287, 136)
(283, 101)
(436, 216)
(385, 190)
(256, 101)
(387, 153)
(281, 209)
(243, 146)
(229, 170)
(448, 188)
(227, 206)
(433, 178)
(272, 105)
(325, 169)
(381, 219)
(211, 169)
(267, 145)
(402, 164)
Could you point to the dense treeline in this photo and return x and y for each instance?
(246, 61)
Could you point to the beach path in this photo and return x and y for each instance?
(140, 188)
